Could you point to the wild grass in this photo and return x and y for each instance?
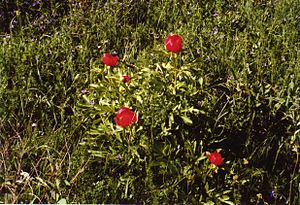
(237, 90)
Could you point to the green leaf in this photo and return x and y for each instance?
(201, 81)
(225, 198)
(57, 183)
(86, 99)
(94, 86)
(186, 120)
(209, 203)
(228, 202)
(200, 159)
(67, 182)
(42, 181)
(168, 66)
(62, 201)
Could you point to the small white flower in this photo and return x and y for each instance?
(25, 175)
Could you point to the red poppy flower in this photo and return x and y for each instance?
(215, 158)
(110, 60)
(126, 78)
(174, 43)
(125, 117)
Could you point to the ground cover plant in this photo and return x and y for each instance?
(190, 102)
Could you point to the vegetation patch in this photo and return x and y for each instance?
(150, 102)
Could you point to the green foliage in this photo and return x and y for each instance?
(234, 88)
(162, 153)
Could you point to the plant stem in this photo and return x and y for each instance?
(174, 58)
(292, 178)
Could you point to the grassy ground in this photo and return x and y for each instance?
(237, 90)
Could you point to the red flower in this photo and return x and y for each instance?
(110, 60)
(125, 117)
(126, 78)
(174, 43)
(215, 158)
